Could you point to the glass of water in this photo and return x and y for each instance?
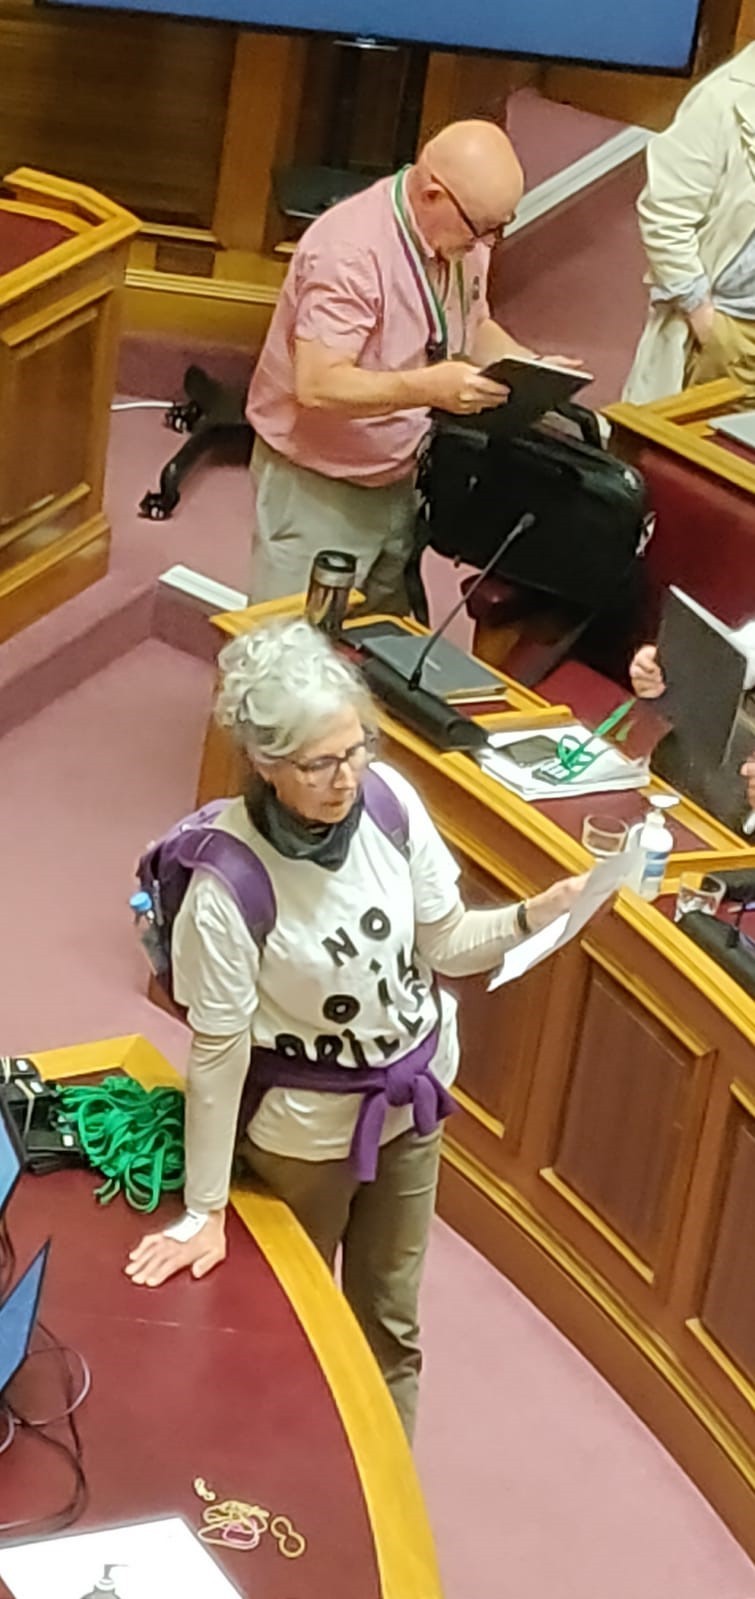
(604, 835)
(698, 891)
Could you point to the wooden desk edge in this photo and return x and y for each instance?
(404, 1547)
(662, 422)
(525, 708)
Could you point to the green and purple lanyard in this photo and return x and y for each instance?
(437, 343)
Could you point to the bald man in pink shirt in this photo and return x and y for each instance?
(383, 315)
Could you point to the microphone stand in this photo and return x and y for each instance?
(427, 713)
(522, 526)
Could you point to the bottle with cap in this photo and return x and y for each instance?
(653, 841)
(148, 931)
(106, 1584)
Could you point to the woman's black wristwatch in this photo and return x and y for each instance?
(521, 918)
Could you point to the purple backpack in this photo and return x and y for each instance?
(165, 870)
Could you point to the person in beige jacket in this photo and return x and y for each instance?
(697, 220)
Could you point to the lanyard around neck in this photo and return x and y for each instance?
(437, 344)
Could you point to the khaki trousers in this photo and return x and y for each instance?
(382, 1228)
(728, 353)
(298, 513)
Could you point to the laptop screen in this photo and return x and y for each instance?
(10, 1160)
(705, 673)
(18, 1314)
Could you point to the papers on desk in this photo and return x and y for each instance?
(603, 881)
(147, 1560)
(736, 425)
(611, 772)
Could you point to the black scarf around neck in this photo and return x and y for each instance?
(299, 840)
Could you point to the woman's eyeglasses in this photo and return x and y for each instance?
(323, 770)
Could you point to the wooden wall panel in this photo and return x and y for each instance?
(728, 1307)
(499, 1035)
(134, 106)
(746, 28)
(649, 98)
(265, 89)
(486, 1072)
(472, 86)
(46, 369)
(624, 1115)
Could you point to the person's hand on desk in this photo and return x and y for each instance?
(459, 387)
(645, 674)
(555, 901)
(159, 1256)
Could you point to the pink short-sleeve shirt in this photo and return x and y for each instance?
(351, 287)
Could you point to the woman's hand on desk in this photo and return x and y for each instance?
(159, 1257)
(645, 673)
(555, 901)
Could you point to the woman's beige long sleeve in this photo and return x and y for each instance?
(215, 1078)
(468, 941)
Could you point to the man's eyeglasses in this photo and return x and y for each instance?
(323, 770)
(494, 233)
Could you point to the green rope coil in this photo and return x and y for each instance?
(134, 1136)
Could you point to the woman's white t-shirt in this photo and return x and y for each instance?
(338, 980)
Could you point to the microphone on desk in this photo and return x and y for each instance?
(425, 713)
(398, 681)
(522, 526)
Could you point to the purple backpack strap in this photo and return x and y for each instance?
(385, 809)
(237, 867)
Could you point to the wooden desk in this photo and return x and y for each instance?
(257, 1380)
(603, 1153)
(701, 487)
(680, 423)
(63, 252)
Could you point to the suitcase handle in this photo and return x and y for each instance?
(479, 438)
(585, 420)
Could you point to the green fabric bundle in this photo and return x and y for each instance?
(134, 1136)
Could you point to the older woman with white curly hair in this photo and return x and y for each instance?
(353, 1045)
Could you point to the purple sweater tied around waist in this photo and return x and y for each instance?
(407, 1081)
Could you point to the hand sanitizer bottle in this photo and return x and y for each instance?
(105, 1585)
(655, 842)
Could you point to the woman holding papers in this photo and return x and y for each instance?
(352, 1044)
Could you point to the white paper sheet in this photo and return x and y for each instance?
(150, 1560)
(603, 881)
